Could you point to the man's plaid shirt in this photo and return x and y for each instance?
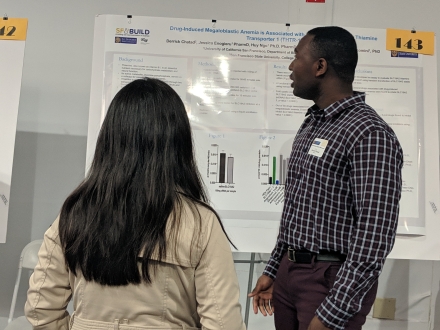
(347, 200)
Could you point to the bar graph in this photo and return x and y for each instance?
(220, 166)
(230, 178)
(272, 169)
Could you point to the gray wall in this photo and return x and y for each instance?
(50, 146)
(46, 168)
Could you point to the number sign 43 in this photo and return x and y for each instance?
(410, 41)
(409, 44)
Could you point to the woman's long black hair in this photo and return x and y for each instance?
(142, 169)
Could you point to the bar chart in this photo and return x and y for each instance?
(220, 166)
(272, 169)
(244, 172)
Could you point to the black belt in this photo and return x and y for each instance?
(306, 257)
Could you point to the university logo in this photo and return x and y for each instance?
(395, 53)
(125, 40)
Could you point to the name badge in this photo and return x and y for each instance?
(317, 148)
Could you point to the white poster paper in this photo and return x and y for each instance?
(11, 66)
(234, 80)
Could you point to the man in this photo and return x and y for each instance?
(341, 199)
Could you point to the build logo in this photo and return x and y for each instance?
(132, 32)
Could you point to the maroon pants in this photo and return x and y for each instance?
(299, 289)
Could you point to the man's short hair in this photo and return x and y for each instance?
(338, 47)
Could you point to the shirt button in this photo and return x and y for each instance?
(305, 149)
(298, 176)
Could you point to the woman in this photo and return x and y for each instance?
(136, 244)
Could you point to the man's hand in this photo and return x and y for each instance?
(262, 296)
(316, 324)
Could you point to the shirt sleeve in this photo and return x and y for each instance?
(274, 261)
(376, 182)
(49, 286)
(217, 290)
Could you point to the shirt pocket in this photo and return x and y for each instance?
(331, 171)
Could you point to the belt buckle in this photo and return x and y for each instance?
(291, 254)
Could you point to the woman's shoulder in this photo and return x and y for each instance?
(52, 233)
(194, 211)
(189, 234)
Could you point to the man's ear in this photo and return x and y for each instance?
(321, 67)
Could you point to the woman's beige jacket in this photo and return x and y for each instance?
(197, 291)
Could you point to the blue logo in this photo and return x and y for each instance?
(395, 53)
(125, 40)
(317, 142)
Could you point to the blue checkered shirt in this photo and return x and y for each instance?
(346, 200)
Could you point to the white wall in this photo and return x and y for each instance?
(52, 125)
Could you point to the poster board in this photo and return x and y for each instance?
(12, 44)
(233, 79)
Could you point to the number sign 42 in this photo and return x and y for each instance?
(13, 28)
(8, 31)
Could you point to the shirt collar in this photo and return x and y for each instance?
(337, 107)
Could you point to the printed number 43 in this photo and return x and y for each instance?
(9, 31)
(410, 44)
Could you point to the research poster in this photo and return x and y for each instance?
(12, 44)
(234, 80)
